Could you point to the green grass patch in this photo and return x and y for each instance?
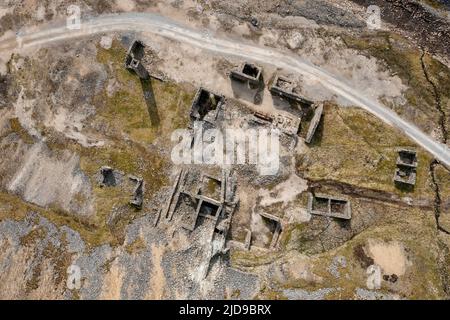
(404, 60)
(17, 128)
(143, 110)
(354, 147)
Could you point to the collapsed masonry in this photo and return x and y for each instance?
(263, 234)
(314, 123)
(267, 237)
(133, 60)
(287, 124)
(137, 198)
(247, 72)
(108, 177)
(213, 199)
(202, 204)
(206, 106)
(112, 178)
(286, 88)
(329, 206)
(405, 173)
(208, 202)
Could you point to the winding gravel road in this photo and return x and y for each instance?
(156, 24)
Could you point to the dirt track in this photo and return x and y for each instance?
(153, 23)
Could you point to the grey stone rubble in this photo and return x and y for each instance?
(288, 124)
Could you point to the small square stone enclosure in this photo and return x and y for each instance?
(285, 88)
(206, 103)
(133, 59)
(108, 177)
(267, 236)
(208, 208)
(405, 173)
(407, 158)
(247, 72)
(191, 207)
(211, 187)
(329, 206)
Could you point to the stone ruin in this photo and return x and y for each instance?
(288, 124)
(108, 177)
(405, 173)
(272, 226)
(137, 197)
(187, 205)
(206, 106)
(133, 60)
(248, 240)
(167, 213)
(263, 116)
(211, 188)
(208, 208)
(247, 72)
(314, 123)
(208, 202)
(213, 199)
(329, 206)
(264, 233)
(286, 88)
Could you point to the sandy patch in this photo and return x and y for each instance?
(157, 280)
(284, 192)
(390, 256)
(112, 283)
(125, 5)
(24, 112)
